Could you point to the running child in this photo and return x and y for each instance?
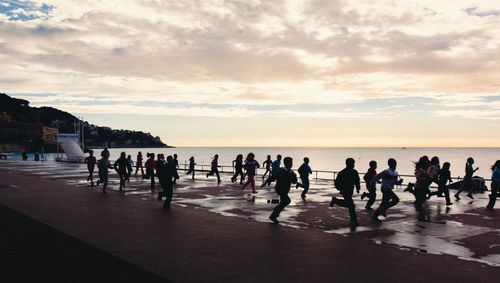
(389, 178)
(251, 166)
(91, 162)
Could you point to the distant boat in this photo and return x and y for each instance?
(403, 148)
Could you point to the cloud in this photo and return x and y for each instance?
(249, 53)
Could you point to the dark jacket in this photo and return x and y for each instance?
(346, 180)
(284, 180)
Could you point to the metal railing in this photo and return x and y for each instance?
(224, 169)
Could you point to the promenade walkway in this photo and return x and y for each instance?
(219, 234)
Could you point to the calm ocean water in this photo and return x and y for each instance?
(332, 158)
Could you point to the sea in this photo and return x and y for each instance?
(327, 159)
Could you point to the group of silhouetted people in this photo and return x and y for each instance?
(427, 172)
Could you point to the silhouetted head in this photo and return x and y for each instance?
(140, 153)
(216, 156)
(470, 160)
(175, 156)
(91, 152)
(435, 160)
(422, 163)
(170, 159)
(129, 156)
(278, 157)
(349, 162)
(160, 156)
(306, 160)
(392, 163)
(269, 157)
(496, 165)
(122, 154)
(240, 157)
(152, 155)
(446, 166)
(250, 156)
(373, 164)
(191, 158)
(288, 161)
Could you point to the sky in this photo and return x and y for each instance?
(263, 73)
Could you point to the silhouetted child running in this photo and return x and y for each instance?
(495, 185)
(130, 164)
(139, 165)
(150, 169)
(304, 171)
(468, 184)
(214, 168)
(192, 164)
(372, 190)
(345, 182)
(274, 168)
(444, 175)
(389, 178)
(238, 169)
(121, 168)
(284, 178)
(91, 162)
(251, 166)
(165, 170)
(103, 165)
(267, 164)
(433, 172)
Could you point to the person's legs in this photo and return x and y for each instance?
(284, 201)
(495, 191)
(168, 193)
(217, 174)
(383, 204)
(372, 195)
(393, 200)
(305, 185)
(251, 179)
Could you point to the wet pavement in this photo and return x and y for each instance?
(465, 230)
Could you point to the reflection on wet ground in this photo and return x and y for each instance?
(464, 230)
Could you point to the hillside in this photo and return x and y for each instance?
(16, 114)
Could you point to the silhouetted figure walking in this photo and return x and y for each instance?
(372, 189)
(444, 176)
(389, 178)
(251, 166)
(345, 182)
(139, 165)
(238, 169)
(274, 168)
(304, 171)
(150, 169)
(121, 168)
(166, 174)
(176, 167)
(103, 165)
(130, 164)
(91, 162)
(422, 183)
(24, 155)
(267, 164)
(284, 178)
(214, 168)
(495, 184)
(468, 183)
(192, 164)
